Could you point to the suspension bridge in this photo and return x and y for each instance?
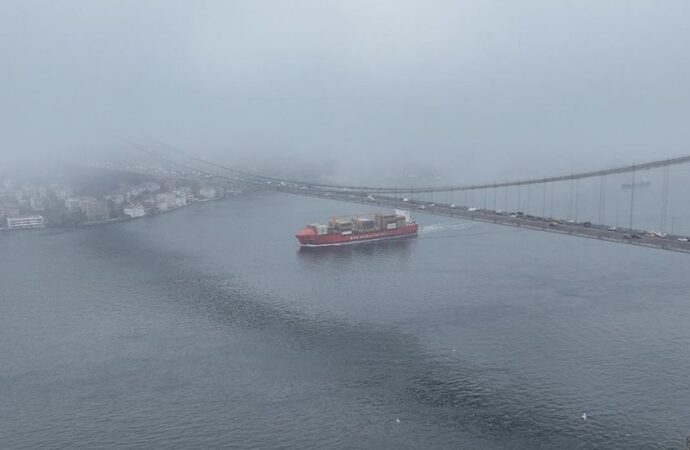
(557, 206)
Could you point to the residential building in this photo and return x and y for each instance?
(24, 222)
(134, 211)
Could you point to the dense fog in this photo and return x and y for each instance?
(361, 91)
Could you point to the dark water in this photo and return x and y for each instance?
(207, 327)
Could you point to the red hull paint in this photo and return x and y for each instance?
(309, 238)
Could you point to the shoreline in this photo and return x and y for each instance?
(116, 219)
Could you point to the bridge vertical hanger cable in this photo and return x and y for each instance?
(577, 197)
(553, 186)
(495, 198)
(529, 191)
(601, 188)
(485, 193)
(602, 198)
(543, 203)
(518, 199)
(505, 199)
(570, 205)
(632, 199)
(664, 199)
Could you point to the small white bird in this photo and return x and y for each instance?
(397, 420)
(584, 416)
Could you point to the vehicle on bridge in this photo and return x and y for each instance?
(353, 230)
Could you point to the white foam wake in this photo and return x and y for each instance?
(446, 226)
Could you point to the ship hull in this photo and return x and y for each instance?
(358, 238)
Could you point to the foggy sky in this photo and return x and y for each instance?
(483, 90)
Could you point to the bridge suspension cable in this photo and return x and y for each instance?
(253, 178)
(191, 168)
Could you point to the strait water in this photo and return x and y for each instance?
(207, 327)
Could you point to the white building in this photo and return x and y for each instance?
(134, 211)
(25, 222)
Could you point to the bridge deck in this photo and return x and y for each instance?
(601, 232)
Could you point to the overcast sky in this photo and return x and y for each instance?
(483, 89)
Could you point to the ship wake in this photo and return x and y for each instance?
(446, 226)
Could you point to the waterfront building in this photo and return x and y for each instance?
(134, 211)
(24, 222)
(165, 201)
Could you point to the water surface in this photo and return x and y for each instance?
(208, 327)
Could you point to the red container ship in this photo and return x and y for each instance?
(358, 229)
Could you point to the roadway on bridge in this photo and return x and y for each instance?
(641, 238)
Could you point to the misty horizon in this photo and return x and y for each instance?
(475, 92)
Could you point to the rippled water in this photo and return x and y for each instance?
(208, 327)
